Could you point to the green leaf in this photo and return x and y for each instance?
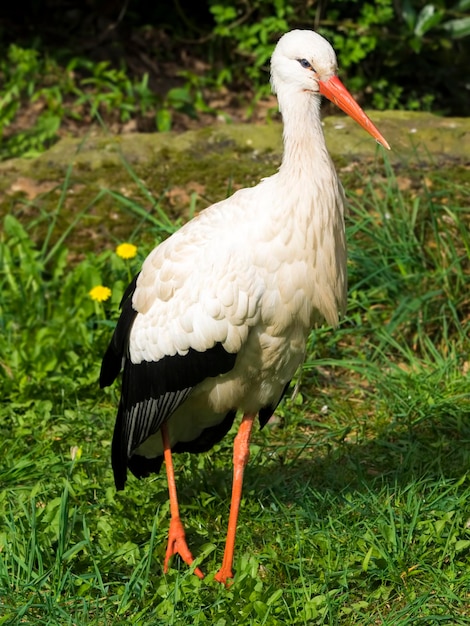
(463, 5)
(462, 544)
(13, 228)
(163, 119)
(365, 562)
(408, 13)
(458, 28)
(179, 95)
(427, 19)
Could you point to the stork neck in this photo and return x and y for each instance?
(305, 152)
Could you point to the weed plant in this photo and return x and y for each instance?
(78, 91)
(356, 499)
(407, 55)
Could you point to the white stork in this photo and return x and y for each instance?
(217, 320)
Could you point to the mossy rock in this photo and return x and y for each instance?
(75, 176)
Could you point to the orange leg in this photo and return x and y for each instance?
(176, 536)
(241, 453)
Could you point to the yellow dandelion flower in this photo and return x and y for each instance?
(100, 293)
(126, 250)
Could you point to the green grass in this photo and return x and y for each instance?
(356, 504)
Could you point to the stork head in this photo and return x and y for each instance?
(300, 59)
(304, 62)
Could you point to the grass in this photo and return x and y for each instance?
(356, 500)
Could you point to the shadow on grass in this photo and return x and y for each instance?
(431, 450)
(430, 454)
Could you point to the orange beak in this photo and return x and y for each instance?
(334, 90)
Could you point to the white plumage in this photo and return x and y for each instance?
(218, 319)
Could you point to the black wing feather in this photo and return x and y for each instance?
(140, 466)
(117, 349)
(151, 390)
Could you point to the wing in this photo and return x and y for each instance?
(199, 288)
(113, 358)
(184, 318)
(152, 391)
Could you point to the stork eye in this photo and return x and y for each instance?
(305, 63)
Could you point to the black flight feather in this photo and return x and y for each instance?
(152, 391)
(117, 349)
(141, 466)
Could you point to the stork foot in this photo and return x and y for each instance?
(177, 545)
(224, 576)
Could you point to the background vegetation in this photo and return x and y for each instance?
(148, 66)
